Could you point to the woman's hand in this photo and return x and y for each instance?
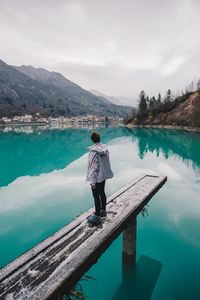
(93, 186)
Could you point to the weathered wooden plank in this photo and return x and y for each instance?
(66, 255)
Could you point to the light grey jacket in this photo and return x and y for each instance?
(98, 168)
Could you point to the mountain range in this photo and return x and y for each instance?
(118, 100)
(26, 89)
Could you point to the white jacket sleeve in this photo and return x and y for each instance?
(94, 168)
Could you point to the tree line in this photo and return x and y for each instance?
(152, 105)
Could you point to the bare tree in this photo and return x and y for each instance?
(198, 85)
(191, 87)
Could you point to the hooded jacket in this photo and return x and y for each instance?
(99, 168)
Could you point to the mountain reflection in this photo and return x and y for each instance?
(46, 150)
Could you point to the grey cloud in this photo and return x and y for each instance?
(117, 47)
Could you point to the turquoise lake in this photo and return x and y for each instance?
(43, 187)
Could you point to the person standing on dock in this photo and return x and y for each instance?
(98, 171)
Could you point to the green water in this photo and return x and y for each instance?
(42, 187)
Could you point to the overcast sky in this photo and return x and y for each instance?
(117, 47)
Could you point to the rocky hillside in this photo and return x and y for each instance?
(183, 111)
(29, 90)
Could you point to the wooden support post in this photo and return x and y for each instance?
(129, 246)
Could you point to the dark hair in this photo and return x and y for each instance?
(95, 137)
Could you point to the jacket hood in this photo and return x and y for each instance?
(100, 148)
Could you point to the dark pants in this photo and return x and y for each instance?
(99, 197)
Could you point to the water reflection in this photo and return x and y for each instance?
(141, 281)
(42, 151)
(45, 151)
(184, 144)
(137, 283)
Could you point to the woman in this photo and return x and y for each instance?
(98, 171)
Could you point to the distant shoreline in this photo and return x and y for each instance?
(50, 123)
(24, 124)
(194, 129)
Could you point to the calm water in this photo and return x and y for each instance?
(42, 187)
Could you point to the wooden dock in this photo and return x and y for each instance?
(55, 264)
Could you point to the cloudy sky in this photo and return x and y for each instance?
(117, 47)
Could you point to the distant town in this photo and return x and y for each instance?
(38, 119)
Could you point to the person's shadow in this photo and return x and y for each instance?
(139, 282)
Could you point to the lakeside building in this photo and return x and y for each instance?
(6, 120)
